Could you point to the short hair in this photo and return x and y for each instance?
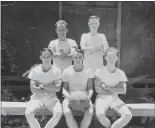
(94, 17)
(61, 22)
(46, 50)
(78, 51)
(112, 49)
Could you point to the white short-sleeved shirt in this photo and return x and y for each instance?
(93, 60)
(45, 77)
(77, 80)
(110, 79)
(67, 46)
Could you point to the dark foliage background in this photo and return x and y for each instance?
(27, 27)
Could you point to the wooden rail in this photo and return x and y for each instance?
(18, 108)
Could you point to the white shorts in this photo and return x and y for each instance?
(38, 102)
(104, 102)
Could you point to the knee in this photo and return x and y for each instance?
(100, 115)
(67, 113)
(127, 116)
(91, 112)
(28, 112)
(66, 109)
(58, 114)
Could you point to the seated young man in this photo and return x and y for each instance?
(77, 79)
(109, 82)
(45, 81)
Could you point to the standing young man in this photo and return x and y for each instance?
(109, 82)
(94, 45)
(76, 78)
(45, 81)
(62, 47)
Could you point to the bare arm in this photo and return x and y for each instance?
(98, 84)
(36, 89)
(52, 48)
(64, 90)
(90, 87)
(105, 44)
(84, 45)
(55, 86)
(119, 89)
(73, 47)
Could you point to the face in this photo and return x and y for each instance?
(111, 58)
(78, 58)
(46, 57)
(61, 30)
(93, 25)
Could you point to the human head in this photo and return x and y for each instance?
(111, 56)
(93, 23)
(46, 56)
(78, 56)
(61, 29)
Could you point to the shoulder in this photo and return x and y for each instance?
(84, 35)
(35, 68)
(102, 35)
(98, 70)
(56, 69)
(53, 41)
(70, 40)
(121, 72)
(88, 70)
(68, 70)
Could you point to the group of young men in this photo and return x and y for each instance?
(87, 74)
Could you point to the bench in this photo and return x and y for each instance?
(18, 108)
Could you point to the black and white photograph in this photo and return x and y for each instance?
(77, 64)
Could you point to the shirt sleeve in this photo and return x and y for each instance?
(32, 75)
(82, 42)
(123, 76)
(97, 71)
(74, 44)
(65, 77)
(51, 46)
(105, 43)
(58, 73)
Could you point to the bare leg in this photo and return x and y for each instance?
(87, 117)
(71, 122)
(101, 109)
(126, 116)
(31, 108)
(56, 109)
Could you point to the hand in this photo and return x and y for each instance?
(63, 53)
(88, 103)
(55, 82)
(120, 84)
(105, 87)
(41, 85)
